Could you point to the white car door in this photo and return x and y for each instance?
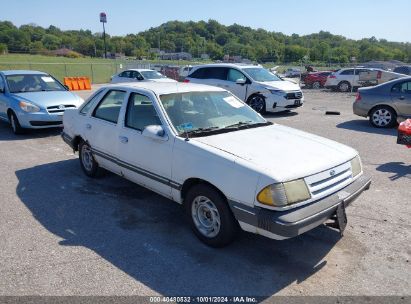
(144, 160)
(101, 129)
(238, 89)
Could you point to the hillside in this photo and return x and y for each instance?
(200, 37)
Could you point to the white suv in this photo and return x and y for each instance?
(258, 87)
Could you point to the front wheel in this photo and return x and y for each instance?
(257, 102)
(15, 124)
(383, 117)
(344, 86)
(87, 161)
(209, 216)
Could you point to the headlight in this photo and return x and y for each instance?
(275, 91)
(28, 107)
(356, 167)
(283, 194)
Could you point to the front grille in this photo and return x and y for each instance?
(294, 95)
(329, 181)
(59, 109)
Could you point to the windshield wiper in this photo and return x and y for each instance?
(239, 124)
(247, 124)
(199, 131)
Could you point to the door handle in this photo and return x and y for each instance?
(88, 126)
(123, 139)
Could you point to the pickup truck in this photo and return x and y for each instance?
(204, 148)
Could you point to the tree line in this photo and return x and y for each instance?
(209, 37)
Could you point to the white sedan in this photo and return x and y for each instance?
(136, 75)
(204, 148)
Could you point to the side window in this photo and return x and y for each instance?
(347, 72)
(199, 74)
(140, 112)
(216, 73)
(125, 74)
(1, 83)
(234, 75)
(403, 87)
(89, 104)
(109, 107)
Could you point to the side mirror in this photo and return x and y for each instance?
(155, 132)
(241, 81)
(67, 87)
(1, 90)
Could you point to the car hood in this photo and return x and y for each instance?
(281, 152)
(51, 98)
(284, 85)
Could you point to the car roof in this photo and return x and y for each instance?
(139, 70)
(161, 88)
(20, 72)
(227, 65)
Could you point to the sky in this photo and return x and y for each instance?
(355, 19)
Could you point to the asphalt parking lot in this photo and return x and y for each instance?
(65, 234)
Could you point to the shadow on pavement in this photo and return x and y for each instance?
(280, 114)
(399, 170)
(6, 134)
(363, 125)
(146, 236)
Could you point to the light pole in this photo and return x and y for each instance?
(103, 19)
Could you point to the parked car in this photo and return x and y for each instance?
(33, 100)
(344, 80)
(316, 80)
(292, 72)
(171, 71)
(258, 87)
(133, 75)
(204, 148)
(405, 69)
(184, 71)
(385, 104)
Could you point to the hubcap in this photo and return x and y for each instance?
(205, 216)
(382, 117)
(87, 157)
(257, 103)
(344, 87)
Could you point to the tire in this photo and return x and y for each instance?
(210, 216)
(316, 85)
(344, 86)
(15, 125)
(257, 103)
(88, 163)
(383, 117)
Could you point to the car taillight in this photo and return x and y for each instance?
(332, 76)
(379, 74)
(186, 80)
(358, 97)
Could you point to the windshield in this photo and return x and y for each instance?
(152, 75)
(262, 75)
(200, 112)
(33, 83)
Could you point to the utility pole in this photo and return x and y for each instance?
(103, 19)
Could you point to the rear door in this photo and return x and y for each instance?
(101, 129)
(401, 97)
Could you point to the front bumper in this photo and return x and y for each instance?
(290, 223)
(277, 103)
(39, 120)
(69, 140)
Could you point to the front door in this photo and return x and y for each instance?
(238, 89)
(144, 160)
(101, 129)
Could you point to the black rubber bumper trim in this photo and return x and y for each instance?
(68, 140)
(296, 221)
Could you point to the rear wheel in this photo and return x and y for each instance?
(344, 86)
(14, 123)
(257, 102)
(316, 85)
(383, 117)
(87, 161)
(209, 215)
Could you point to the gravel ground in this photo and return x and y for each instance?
(65, 234)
